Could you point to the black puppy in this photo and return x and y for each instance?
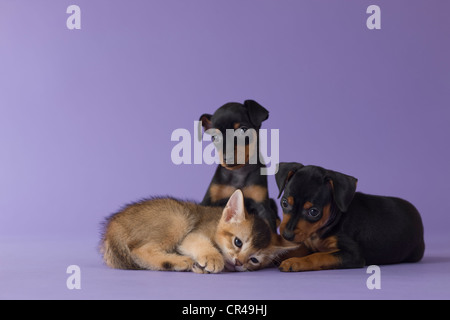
(341, 228)
(245, 121)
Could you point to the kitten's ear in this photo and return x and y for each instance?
(234, 211)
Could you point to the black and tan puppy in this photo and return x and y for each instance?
(341, 228)
(241, 165)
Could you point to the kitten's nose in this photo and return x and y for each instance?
(288, 235)
(237, 263)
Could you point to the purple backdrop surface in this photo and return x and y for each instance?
(86, 115)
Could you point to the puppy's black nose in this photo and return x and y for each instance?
(288, 235)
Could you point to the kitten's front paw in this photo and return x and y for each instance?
(186, 264)
(213, 263)
(198, 268)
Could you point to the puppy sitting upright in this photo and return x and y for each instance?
(240, 168)
(341, 228)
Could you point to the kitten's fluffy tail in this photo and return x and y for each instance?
(116, 253)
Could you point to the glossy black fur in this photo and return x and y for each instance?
(369, 229)
(250, 114)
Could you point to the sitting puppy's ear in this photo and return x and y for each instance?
(205, 121)
(285, 171)
(256, 112)
(344, 188)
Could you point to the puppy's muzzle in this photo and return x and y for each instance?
(288, 235)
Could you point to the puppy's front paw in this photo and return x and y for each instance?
(213, 263)
(291, 265)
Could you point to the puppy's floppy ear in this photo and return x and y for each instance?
(256, 112)
(285, 171)
(205, 119)
(344, 188)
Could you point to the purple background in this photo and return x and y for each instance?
(86, 118)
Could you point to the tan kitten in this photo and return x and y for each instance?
(168, 234)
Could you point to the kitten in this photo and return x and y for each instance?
(168, 234)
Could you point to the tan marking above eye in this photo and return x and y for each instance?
(308, 205)
(290, 200)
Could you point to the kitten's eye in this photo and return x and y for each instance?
(284, 203)
(254, 260)
(237, 242)
(313, 212)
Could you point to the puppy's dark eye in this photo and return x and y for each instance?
(242, 130)
(237, 242)
(284, 203)
(254, 260)
(313, 212)
(216, 138)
